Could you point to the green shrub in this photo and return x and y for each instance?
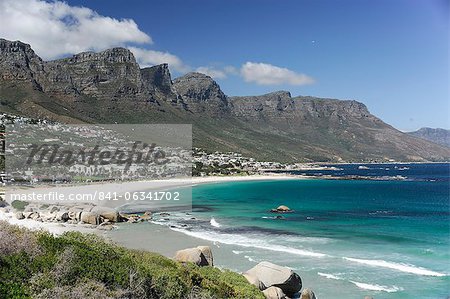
(79, 266)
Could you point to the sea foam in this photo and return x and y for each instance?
(234, 239)
(396, 266)
(375, 287)
(329, 276)
(214, 223)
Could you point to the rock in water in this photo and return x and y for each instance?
(274, 275)
(283, 209)
(20, 216)
(308, 294)
(195, 255)
(274, 293)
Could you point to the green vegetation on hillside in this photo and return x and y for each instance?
(75, 265)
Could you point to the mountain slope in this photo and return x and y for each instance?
(110, 87)
(439, 136)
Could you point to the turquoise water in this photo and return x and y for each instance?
(346, 239)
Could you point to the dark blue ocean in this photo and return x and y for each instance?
(346, 238)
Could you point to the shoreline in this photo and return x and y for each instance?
(8, 213)
(167, 239)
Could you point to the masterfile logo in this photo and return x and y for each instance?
(97, 152)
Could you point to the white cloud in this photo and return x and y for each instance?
(267, 74)
(231, 70)
(212, 72)
(217, 73)
(149, 58)
(55, 28)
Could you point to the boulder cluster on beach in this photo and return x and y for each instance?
(95, 216)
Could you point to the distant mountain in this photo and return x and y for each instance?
(439, 136)
(109, 87)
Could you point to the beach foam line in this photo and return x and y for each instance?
(396, 266)
(246, 242)
(376, 287)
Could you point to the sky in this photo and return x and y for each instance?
(392, 55)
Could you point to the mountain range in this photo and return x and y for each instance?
(110, 87)
(436, 135)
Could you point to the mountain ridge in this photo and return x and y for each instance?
(436, 135)
(110, 87)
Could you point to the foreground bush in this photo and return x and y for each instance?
(75, 265)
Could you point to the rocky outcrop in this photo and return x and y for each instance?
(88, 214)
(274, 275)
(201, 94)
(207, 253)
(201, 256)
(19, 63)
(274, 293)
(268, 105)
(280, 104)
(90, 218)
(157, 78)
(107, 213)
(307, 293)
(112, 74)
(254, 281)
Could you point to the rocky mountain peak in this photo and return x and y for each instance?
(198, 87)
(157, 78)
(19, 62)
(7, 46)
(201, 94)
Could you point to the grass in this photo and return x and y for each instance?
(75, 265)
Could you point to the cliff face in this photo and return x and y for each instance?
(18, 62)
(110, 74)
(110, 87)
(281, 104)
(201, 94)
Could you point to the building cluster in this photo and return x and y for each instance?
(229, 163)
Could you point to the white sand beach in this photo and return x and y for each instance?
(8, 213)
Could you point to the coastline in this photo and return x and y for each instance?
(170, 237)
(8, 213)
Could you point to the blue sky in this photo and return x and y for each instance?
(392, 55)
